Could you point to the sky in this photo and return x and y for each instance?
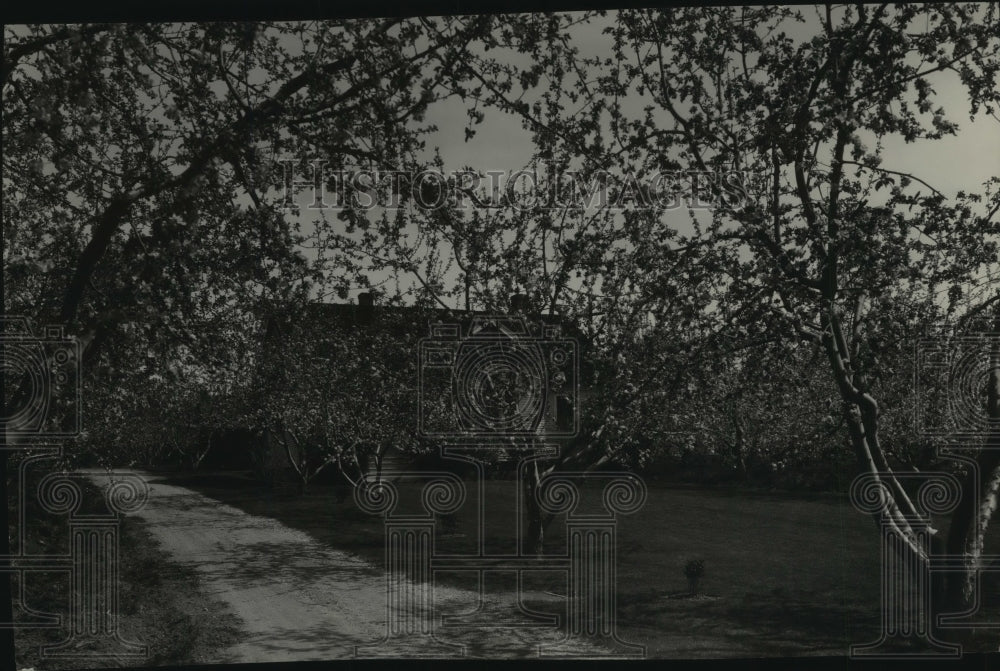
(501, 143)
(950, 164)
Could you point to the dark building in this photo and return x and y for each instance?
(416, 332)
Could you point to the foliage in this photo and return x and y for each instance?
(139, 173)
(333, 391)
(144, 209)
(824, 241)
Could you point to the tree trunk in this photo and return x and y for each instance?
(739, 448)
(377, 457)
(972, 517)
(534, 535)
(954, 592)
(200, 456)
(861, 413)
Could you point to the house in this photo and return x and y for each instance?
(411, 338)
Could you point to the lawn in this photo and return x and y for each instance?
(785, 574)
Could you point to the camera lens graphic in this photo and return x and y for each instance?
(25, 364)
(970, 374)
(559, 357)
(500, 386)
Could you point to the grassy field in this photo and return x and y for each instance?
(161, 604)
(785, 575)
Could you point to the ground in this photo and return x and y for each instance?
(786, 574)
(162, 603)
(297, 599)
(263, 577)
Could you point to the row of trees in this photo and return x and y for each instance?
(312, 394)
(337, 397)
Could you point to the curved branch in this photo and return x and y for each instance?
(23, 49)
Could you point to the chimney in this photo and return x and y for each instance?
(366, 306)
(519, 303)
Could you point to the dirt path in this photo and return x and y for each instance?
(299, 600)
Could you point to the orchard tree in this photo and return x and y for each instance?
(823, 236)
(140, 160)
(145, 402)
(140, 180)
(334, 389)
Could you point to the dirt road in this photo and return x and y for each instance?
(299, 600)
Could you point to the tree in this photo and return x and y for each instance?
(138, 181)
(825, 242)
(152, 402)
(136, 164)
(154, 142)
(334, 390)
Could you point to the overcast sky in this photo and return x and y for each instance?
(961, 162)
(964, 161)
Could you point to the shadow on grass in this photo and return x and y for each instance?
(161, 603)
(791, 575)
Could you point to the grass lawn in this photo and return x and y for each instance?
(161, 605)
(785, 574)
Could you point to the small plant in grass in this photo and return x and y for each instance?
(694, 570)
